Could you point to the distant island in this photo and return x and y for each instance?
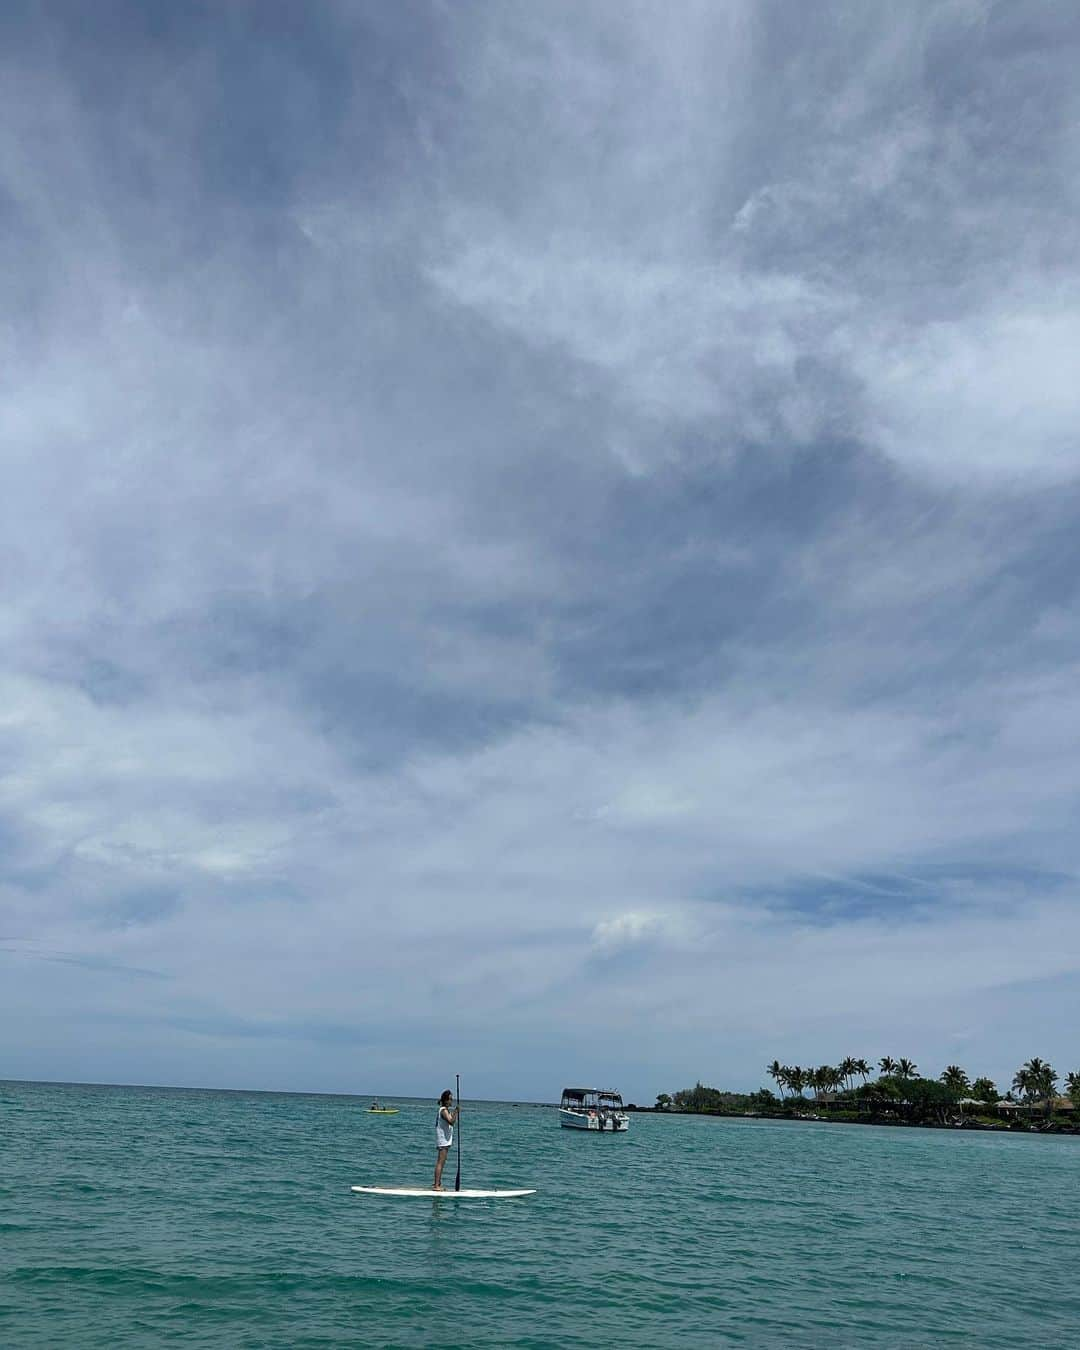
(898, 1095)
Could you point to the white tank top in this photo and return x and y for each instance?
(444, 1132)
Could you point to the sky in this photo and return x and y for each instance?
(537, 541)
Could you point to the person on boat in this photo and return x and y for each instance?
(444, 1134)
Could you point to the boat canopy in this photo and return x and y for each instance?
(576, 1096)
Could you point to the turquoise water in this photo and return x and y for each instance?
(146, 1216)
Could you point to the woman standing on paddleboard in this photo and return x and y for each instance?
(444, 1134)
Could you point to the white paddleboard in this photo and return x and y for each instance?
(448, 1194)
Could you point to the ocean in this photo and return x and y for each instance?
(155, 1216)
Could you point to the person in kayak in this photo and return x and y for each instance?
(444, 1134)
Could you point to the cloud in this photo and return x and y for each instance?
(627, 930)
(876, 278)
(500, 507)
(989, 400)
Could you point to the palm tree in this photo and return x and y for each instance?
(862, 1069)
(797, 1079)
(848, 1068)
(1036, 1078)
(826, 1078)
(955, 1078)
(776, 1072)
(887, 1065)
(1041, 1080)
(1072, 1086)
(985, 1090)
(905, 1069)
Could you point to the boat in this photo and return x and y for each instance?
(376, 1110)
(593, 1109)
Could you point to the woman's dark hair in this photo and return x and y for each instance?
(445, 1097)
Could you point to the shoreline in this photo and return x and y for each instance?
(887, 1122)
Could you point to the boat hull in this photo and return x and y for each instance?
(600, 1123)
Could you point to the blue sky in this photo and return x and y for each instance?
(538, 541)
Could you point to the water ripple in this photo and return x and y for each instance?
(139, 1216)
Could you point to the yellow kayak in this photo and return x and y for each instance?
(382, 1111)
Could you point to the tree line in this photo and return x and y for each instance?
(898, 1091)
(1034, 1081)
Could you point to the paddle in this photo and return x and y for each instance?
(457, 1094)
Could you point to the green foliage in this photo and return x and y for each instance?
(899, 1096)
(929, 1098)
(1036, 1081)
(913, 1099)
(886, 1089)
(955, 1078)
(711, 1101)
(699, 1098)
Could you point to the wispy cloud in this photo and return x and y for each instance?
(503, 501)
